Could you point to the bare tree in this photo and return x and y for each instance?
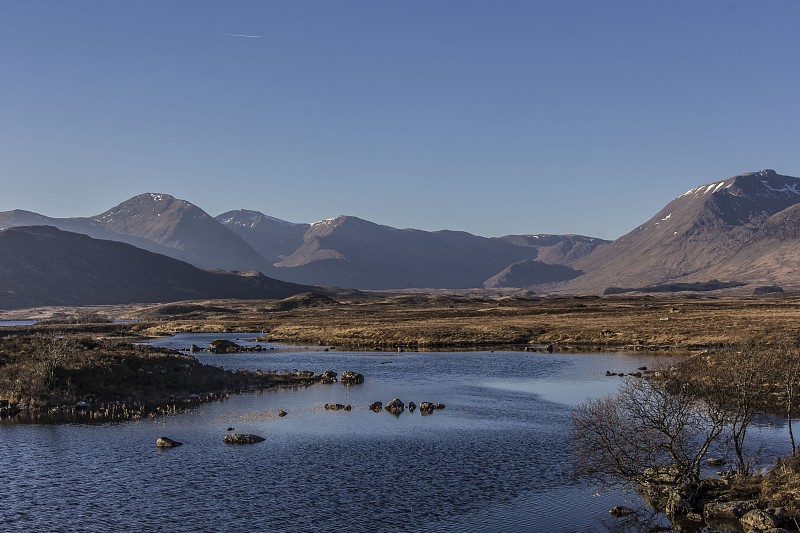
(786, 375)
(647, 430)
(737, 381)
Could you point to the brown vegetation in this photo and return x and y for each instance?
(47, 373)
(424, 320)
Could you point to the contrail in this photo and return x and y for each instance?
(241, 35)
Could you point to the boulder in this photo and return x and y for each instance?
(166, 442)
(376, 407)
(194, 348)
(242, 438)
(729, 510)
(351, 378)
(426, 408)
(328, 376)
(282, 413)
(394, 406)
(758, 520)
(412, 406)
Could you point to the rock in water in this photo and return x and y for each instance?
(328, 376)
(376, 407)
(395, 406)
(282, 413)
(426, 408)
(621, 510)
(242, 438)
(166, 442)
(351, 378)
(337, 407)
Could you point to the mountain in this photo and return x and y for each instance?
(705, 233)
(351, 252)
(184, 230)
(162, 224)
(86, 226)
(557, 249)
(42, 265)
(530, 273)
(271, 237)
(771, 256)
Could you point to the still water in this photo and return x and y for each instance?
(497, 458)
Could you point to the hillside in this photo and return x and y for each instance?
(692, 237)
(42, 265)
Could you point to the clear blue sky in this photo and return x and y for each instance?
(493, 117)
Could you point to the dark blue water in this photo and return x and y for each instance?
(496, 458)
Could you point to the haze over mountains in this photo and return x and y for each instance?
(744, 229)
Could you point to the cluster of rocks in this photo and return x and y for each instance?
(748, 514)
(396, 407)
(701, 503)
(348, 377)
(338, 407)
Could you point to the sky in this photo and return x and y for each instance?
(493, 117)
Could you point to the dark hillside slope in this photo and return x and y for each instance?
(41, 265)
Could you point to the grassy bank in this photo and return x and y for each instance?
(58, 375)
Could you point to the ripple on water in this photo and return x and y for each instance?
(496, 458)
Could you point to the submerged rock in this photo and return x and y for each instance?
(166, 442)
(621, 510)
(242, 438)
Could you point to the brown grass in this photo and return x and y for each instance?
(591, 323)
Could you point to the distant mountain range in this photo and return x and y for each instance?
(743, 230)
(345, 251)
(42, 265)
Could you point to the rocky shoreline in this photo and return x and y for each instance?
(46, 378)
